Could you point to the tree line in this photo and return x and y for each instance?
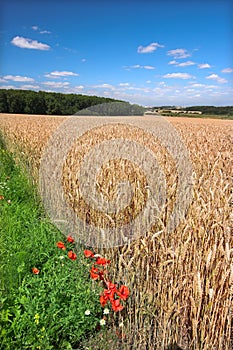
(207, 110)
(53, 103)
(212, 110)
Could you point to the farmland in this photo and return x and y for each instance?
(181, 282)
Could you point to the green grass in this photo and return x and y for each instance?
(44, 311)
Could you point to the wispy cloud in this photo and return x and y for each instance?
(197, 85)
(124, 84)
(149, 48)
(206, 86)
(45, 32)
(79, 87)
(138, 66)
(25, 43)
(149, 67)
(8, 87)
(104, 86)
(26, 87)
(217, 78)
(178, 76)
(173, 62)
(182, 64)
(204, 65)
(58, 74)
(227, 70)
(57, 85)
(36, 28)
(179, 53)
(18, 78)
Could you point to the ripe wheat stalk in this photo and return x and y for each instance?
(181, 282)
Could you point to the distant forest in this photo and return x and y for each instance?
(51, 103)
(206, 110)
(228, 110)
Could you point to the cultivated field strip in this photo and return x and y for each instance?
(181, 282)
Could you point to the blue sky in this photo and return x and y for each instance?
(147, 52)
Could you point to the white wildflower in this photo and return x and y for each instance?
(106, 311)
(102, 322)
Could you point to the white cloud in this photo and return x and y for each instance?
(178, 75)
(198, 85)
(36, 28)
(173, 62)
(204, 65)
(182, 64)
(58, 74)
(186, 64)
(8, 87)
(138, 66)
(57, 85)
(79, 87)
(168, 93)
(75, 89)
(25, 87)
(149, 67)
(179, 53)
(227, 70)
(2, 80)
(217, 78)
(45, 32)
(149, 48)
(124, 84)
(18, 78)
(83, 60)
(104, 86)
(25, 43)
(205, 86)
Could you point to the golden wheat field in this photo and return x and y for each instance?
(181, 282)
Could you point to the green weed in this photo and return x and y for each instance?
(44, 310)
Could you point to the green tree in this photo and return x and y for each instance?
(34, 103)
(3, 102)
(15, 100)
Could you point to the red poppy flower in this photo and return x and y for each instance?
(111, 285)
(123, 292)
(102, 261)
(109, 294)
(72, 255)
(94, 273)
(70, 239)
(61, 245)
(101, 274)
(116, 305)
(103, 300)
(88, 253)
(35, 271)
